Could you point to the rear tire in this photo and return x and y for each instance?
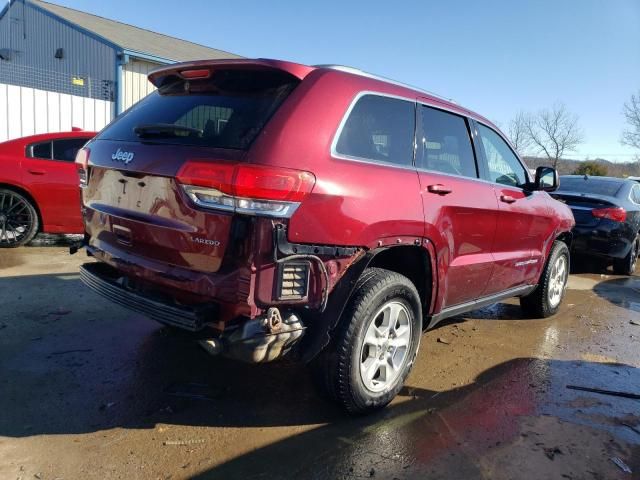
(546, 299)
(374, 346)
(627, 265)
(18, 219)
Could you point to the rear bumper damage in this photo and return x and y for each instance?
(252, 309)
(261, 339)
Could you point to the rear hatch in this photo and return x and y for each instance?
(200, 113)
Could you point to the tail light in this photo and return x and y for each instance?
(82, 162)
(616, 214)
(244, 188)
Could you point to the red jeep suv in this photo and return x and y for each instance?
(317, 212)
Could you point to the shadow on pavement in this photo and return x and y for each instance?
(518, 414)
(623, 292)
(73, 363)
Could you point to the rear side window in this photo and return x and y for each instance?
(67, 148)
(635, 194)
(40, 150)
(445, 145)
(227, 110)
(503, 165)
(592, 185)
(380, 129)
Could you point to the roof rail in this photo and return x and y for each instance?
(357, 71)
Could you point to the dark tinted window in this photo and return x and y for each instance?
(67, 148)
(379, 128)
(227, 110)
(445, 145)
(503, 165)
(40, 150)
(590, 185)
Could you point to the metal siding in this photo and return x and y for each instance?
(4, 112)
(37, 94)
(135, 83)
(25, 111)
(34, 38)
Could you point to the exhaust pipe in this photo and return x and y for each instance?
(263, 339)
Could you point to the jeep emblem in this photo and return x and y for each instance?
(122, 156)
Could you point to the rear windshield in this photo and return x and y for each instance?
(227, 110)
(590, 185)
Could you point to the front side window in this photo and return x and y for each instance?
(445, 145)
(40, 150)
(380, 129)
(503, 165)
(66, 149)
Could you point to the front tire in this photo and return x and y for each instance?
(374, 346)
(545, 300)
(18, 219)
(627, 265)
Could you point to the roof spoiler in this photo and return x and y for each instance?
(297, 70)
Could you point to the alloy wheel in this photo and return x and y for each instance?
(558, 281)
(16, 218)
(385, 346)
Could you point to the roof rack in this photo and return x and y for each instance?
(357, 71)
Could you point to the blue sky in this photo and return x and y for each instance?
(493, 56)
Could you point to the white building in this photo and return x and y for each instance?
(62, 68)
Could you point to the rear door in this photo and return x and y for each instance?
(525, 220)
(460, 209)
(49, 170)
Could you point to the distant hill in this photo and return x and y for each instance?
(567, 167)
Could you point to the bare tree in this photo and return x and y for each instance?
(631, 112)
(554, 131)
(518, 134)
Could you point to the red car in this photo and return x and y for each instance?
(39, 186)
(318, 212)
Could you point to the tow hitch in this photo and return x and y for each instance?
(262, 339)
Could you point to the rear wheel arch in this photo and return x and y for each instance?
(413, 262)
(28, 196)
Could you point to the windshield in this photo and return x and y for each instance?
(592, 185)
(227, 110)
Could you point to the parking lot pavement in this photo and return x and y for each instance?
(90, 390)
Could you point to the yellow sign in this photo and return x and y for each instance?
(78, 81)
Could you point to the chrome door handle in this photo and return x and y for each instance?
(439, 189)
(507, 199)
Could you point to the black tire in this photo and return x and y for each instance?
(18, 219)
(537, 304)
(337, 368)
(627, 265)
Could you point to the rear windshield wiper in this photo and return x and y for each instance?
(164, 129)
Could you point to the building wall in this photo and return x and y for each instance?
(40, 93)
(32, 38)
(28, 111)
(135, 85)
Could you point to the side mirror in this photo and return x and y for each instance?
(547, 179)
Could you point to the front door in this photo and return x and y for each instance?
(524, 221)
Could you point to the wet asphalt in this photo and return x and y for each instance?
(90, 390)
